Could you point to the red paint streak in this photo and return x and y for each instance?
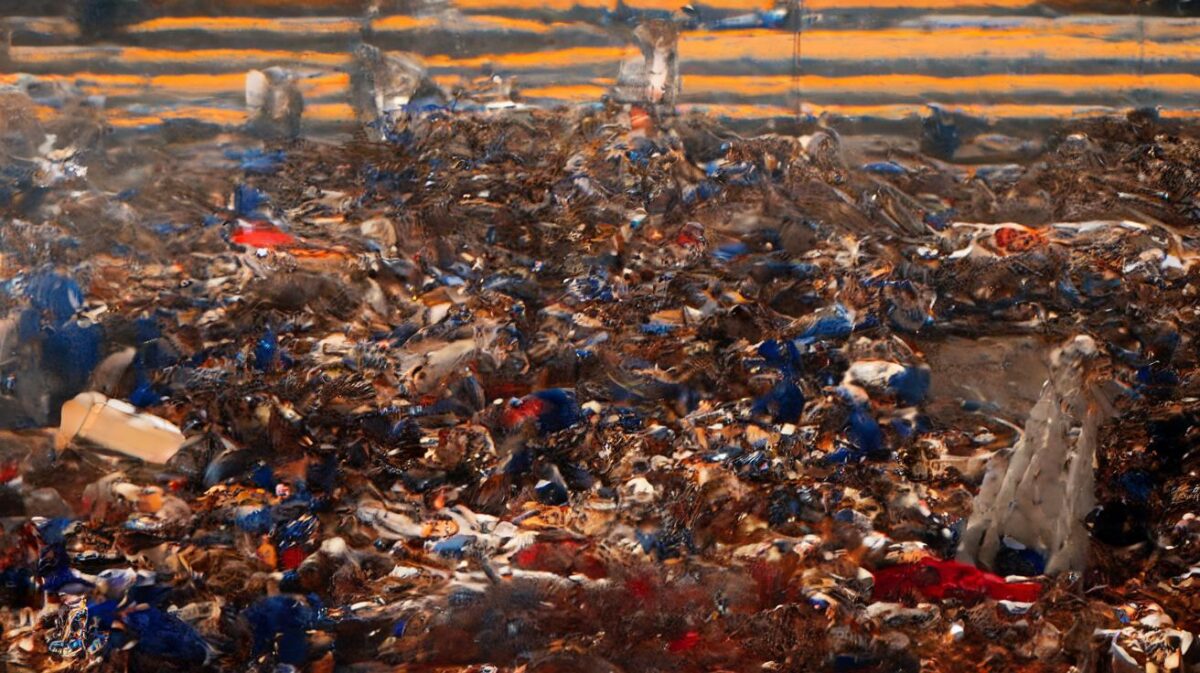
(262, 235)
(1005, 236)
(291, 558)
(640, 588)
(936, 579)
(522, 411)
(9, 471)
(539, 554)
(685, 642)
(687, 239)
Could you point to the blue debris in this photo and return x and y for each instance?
(162, 634)
(559, 410)
(885, 168)
(1138, 485)
(454, 546)
(702, 191)
(731, 251)
(784, 403)
(257, 162)
(299, 530)
(1014, 558)
(835, 325)
(863, 430)
(71, 352)
(665, 544)
(60, 295)
(281, 623)
(941, 219)
(911, 385)
(255, 520)
(769, 18)
(552, 492)
(248, 201)
(782, 355)
(940, 134)
(266, 351)
(593, 287)
(143, 394)
(519, 463)
(657, 328)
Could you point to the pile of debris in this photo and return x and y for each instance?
(603, 390)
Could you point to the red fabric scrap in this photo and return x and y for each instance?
(936, 579)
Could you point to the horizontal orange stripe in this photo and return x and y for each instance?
(401, 22)
(573, 56)
(1155, 28)
(996, 112)
(572, 93)
(241, 57)
(925, 84)
(218, 24)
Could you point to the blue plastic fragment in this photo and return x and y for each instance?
(731, 251)
(72, 351)
(836, 325)
(863, 431)
(454, 546)
(298, 530)
(656, 328)
(247, 200)
(885, 168)
(60, 295)
(282, 622)
(1154, 376)
(782, 355)
(784, 402)
(143, 394)
(1138, 485)
(560, 410)
(551, 492)
(771, 19)
(702, 191)
(940, 220)
(162, 634)
(266, 351)
(520, 462)
(593, 287)
(1016, 559)
(257, 162)
(255, 520)
(911, 385)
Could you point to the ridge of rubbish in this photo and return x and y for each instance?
(602, 390)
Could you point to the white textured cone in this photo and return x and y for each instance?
(1039, 492)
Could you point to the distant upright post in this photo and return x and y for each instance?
(797, 11)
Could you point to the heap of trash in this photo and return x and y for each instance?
(602, 389)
